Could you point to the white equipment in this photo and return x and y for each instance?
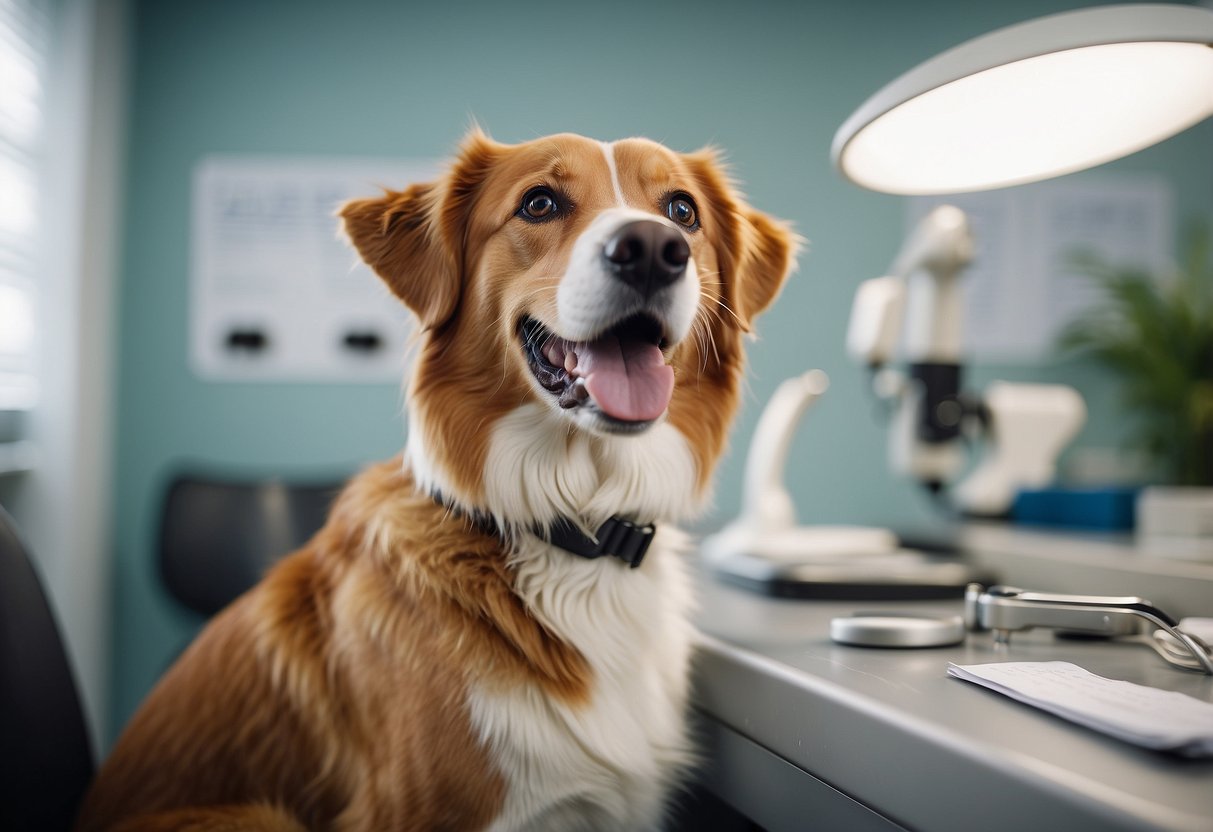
(764, 548)
(767, 525)
(1023, 427)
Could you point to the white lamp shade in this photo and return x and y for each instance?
(1036, 100)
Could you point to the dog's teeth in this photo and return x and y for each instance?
(553, 350)
(570, 361)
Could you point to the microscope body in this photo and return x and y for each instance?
(1022, 427)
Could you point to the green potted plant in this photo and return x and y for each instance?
(1156, 334)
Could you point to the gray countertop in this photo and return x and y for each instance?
(891, 730)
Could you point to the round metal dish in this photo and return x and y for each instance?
(894, 629)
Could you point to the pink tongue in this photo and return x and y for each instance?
(629, 380)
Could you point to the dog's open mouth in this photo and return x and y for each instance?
(622, 372)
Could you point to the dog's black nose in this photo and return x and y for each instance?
(647, 255)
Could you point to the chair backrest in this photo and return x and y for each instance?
(46, 760)
(218, 537)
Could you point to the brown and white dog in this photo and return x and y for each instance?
(431, 660)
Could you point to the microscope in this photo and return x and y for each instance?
(1020, 429)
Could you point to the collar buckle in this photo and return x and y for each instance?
(615, 538)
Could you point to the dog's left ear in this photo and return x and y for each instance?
(757, 252)
(767, 256)
(413, 239)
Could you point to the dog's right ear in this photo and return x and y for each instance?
(413, 239)
(396, 235)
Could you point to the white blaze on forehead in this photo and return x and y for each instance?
(608, 150)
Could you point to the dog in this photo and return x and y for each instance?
(491, 631)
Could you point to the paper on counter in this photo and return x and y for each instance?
(1158, 719)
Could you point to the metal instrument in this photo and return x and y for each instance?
(1005, 609)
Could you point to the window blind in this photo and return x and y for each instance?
(24, 43)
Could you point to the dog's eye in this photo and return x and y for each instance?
(538, 204)
(681, 209)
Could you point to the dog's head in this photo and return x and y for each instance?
(583, 307)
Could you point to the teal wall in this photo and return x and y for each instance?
(769, 82)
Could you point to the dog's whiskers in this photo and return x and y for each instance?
(708, 340)
(545, 284)
(700, 342)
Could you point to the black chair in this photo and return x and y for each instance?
(46, 760)
(218, 536)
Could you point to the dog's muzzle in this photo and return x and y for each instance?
(627, 297)
(646, 255)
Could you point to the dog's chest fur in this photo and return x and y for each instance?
(606, 764)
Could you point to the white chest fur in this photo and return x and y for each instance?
(537, 470)
(607, 764)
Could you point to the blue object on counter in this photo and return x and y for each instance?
(1103, 509)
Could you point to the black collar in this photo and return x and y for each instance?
(616, 537)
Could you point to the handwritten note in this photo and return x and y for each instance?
(1145, 716)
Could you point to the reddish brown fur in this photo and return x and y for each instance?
(332, 695)
(305, 693)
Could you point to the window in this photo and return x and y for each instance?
(24, 34)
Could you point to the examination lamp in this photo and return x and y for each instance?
(1036, 100)
(1029, 102)
(1025, 103)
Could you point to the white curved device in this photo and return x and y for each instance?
(767, 525)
